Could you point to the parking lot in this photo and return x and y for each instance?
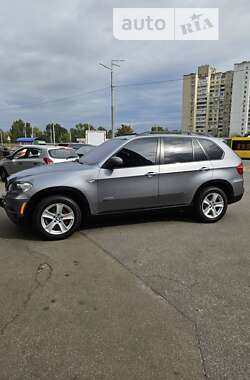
(150, 296)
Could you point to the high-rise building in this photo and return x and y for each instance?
(240, 111)
(207, 101)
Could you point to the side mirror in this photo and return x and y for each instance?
(114, 162)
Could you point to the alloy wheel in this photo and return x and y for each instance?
(57, 218)
(213, 205)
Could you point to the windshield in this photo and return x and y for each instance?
(102, 151)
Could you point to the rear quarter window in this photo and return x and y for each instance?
(213, 151)
(62, 153)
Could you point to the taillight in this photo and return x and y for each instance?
(47, 161)
(240, 169)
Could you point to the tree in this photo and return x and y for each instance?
(61, 133)
(124, 130)
(17, 130)
(20, 128)
(37, 133)
(157, 129)
(80, 130)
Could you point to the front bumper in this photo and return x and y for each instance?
(13, 206)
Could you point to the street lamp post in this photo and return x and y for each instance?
(111, 69)
(54, 136)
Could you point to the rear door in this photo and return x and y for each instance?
(135, 185)
(184, 167)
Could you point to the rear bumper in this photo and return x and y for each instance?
(238, 190)
(236, 198)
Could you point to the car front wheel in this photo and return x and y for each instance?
(57, 217)
(211, 205)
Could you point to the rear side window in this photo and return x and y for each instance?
(199, 154)
(177, 149)
(213, 151)
(62, 153)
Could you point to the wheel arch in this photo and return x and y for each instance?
(72, 193)
(221, 184)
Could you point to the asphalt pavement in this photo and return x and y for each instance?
(149, 296)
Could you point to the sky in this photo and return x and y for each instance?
(50, 52)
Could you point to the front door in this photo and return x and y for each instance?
(24, 158)
(135, 184)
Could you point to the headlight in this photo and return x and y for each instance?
(20, 186)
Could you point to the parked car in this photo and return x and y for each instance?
(84, 149)
(4, 151)
(29, 156)
(128, 174)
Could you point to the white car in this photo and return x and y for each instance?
(28, 156)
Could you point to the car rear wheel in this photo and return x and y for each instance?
(211, 205)
(3, 174)
(57, 217)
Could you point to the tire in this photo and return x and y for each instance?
(57, 217)
(205, 205)
(3, 174)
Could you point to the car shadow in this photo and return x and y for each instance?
(177, 215)
(9, 230)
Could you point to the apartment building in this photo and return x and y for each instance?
(240, 111)
(206, 102)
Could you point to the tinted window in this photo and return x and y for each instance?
(141, 152)
(62, 153)
(214, 152)
(199, 154)
(177, 149)
(241, 145)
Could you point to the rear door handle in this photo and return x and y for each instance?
(204, 169)
(151, 174)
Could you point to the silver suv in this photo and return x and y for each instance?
(129, 173)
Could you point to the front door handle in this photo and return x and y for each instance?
(151, 174)
(204, 169)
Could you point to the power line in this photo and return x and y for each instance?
(65, 98)
(80, 94)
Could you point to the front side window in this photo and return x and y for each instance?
(213, 151)
(20, 154)
(140, 152)
(177, 149)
